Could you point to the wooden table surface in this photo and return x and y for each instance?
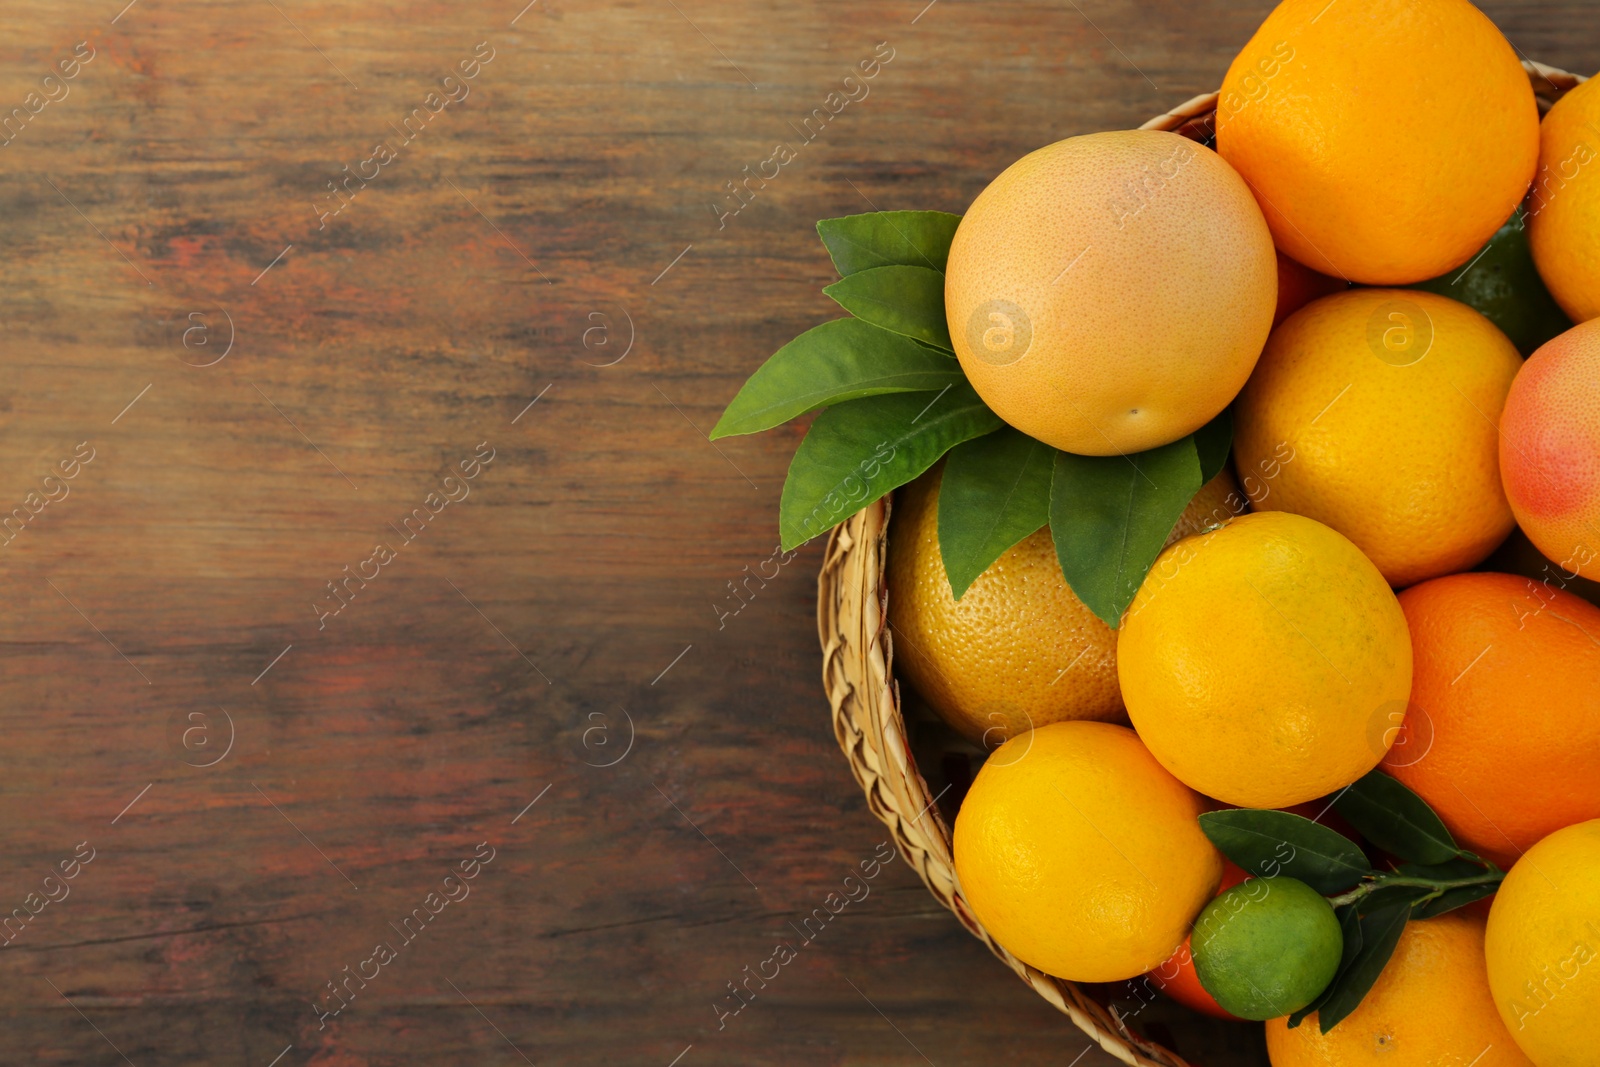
(266, 724)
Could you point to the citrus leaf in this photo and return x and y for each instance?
(1389, 896)
(1350, 928)
(884, 238)
(1110, 517)
(1451, 899)
(1448, 871)
(859, 450)
(908, 300)
(995, 490)
(1270, 844)
(1213, 442)
(1502, 283)
(845, 359)
(1396, 820)
(1380, 932)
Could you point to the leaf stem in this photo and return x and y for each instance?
(1438, 886)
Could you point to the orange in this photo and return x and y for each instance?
(1378, 408)
(1110, 293)
(1543, 948)
(1081, 855)
(1298, 285)
(1386, 140)
(1260, 661)
(1564, 211)
(1504, 730)
(1177, 978)
(1429, 1008)
(1019, 649)
(1550, 449)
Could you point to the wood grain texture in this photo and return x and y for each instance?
(501, 653)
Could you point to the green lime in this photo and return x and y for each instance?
(1503, 285)
(1267, 947)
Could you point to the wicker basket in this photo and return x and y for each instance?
(858, 673)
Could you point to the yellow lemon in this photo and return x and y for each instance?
(1564, 211)
(1019, 650)
(1081, 855)
(1376, 411)
(1543, 948)
(1261, 661)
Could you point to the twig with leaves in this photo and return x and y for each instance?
(1431, 875)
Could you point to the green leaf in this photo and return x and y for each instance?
(1380, 932)
(859, 450)
(1448, 871)
(1270, 844)
(1110, 517)
(1487, 874)
(1396, 820)
(1213, 442)
(908, 300)
(1350, 928)
(845, 359)
(1389, 896)
(994, 491)
(885, 238)
(1451, 899)
(1502, 283)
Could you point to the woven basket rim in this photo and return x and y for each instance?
(858, 675)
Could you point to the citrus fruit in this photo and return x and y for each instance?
(1502, 283)
(1380, 407)
(1019, 649)
(1564, 211)
(1504, 730)
(1267, 947)
(1176, 976)
(1298, 285)
(1109, 293)
(1081, 855)
(1257, 657)
(1429, 1008)
(1543, 948)
(1550, 449)
(1517, 555)
(1356, 140)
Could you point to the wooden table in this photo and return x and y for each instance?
(280, 743)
